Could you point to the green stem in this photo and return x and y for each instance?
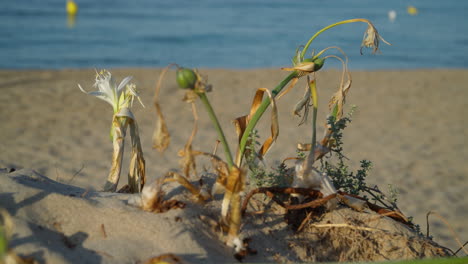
(261, 109)
(313, 89)
(218, 128)
(304, 50)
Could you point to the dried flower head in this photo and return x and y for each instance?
(372, 39)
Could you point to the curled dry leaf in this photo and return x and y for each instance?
(161, 136)
(136, 173)
(136, 177)
(200, 194)
(231, 181)
(222, 170)
(372, 39)
(338, 99)
(287, 90)
(187, 154)
(190, 96)
(119, 127)
(242, 122)
(303, 104)
(231, 206)
(320, 148)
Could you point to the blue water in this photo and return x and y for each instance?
(228, 34)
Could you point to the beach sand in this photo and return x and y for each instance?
(410, 124)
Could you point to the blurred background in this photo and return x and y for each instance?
(227, 34)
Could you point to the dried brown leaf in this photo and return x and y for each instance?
(119, 130)
(234, 185)
(320, 149)
(190, 96)
(200, 194)
(303, 104)
(221, 168)
(287, 90)
(231, 207)
(274, 129)
(187, 161)
(339, 97)
(136, 173)
(242, 122)
(161, 136)
(159, 83)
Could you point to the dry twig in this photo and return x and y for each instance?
(455, 237)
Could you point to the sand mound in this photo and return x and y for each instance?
(346, 235)
(59, 223)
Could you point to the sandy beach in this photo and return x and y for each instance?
(410, 124)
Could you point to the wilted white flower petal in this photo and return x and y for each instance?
(123, 83)
(101, 96)
(98, 94)
(81, 88)
(134, 93)
(117, 96)
(104, 83)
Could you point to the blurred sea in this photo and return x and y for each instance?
(227, 34)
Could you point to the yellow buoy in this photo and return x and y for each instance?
(412, 10)
(72, 8)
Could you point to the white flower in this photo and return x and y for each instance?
(117, 96)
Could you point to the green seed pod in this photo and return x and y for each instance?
(186, 78)
(308, 60)
(319, 62)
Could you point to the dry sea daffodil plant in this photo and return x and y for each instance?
(307, 179)
(121, 99)
(231, 171)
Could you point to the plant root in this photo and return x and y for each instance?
(271, 191)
